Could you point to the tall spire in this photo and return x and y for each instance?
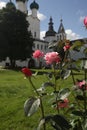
(50, 31)
(61, 27)
(51, 24)
(61, 35)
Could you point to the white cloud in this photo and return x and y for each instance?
(42, 34)
(2, 4)
(41, 16)
(72, 35)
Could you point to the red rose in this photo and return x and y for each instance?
(27, 72)
(64, 103)
(66, 47)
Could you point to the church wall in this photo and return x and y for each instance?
(50, 38)
(34, 26)
(43, 46)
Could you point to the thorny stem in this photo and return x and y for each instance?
(72, 76)
(55, 89)
(84, 93)
(71, 69)
(34, 87)
(73, 79)
(41, 104)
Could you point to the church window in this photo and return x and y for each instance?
(57, 37)
(45, 47)
(34, 34)
(41, 47)
(34, 45)
(60, 37)
(37, 46)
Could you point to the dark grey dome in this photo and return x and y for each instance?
(10, 5)
(50, 31)
(34, 5)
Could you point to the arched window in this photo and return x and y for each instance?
(37, 46)
(41, 47)
(34, 34)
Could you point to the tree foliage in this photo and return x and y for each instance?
(16, 40)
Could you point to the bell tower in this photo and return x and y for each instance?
(33, 20)
(22, 5)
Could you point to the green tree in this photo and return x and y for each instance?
(16, 40)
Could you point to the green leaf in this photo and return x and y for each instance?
(85, 50)
(49, 74)
(40, 124)
(44, 120)
(85, 125)
(77, 113)
(73, 66)
(76, 45)
(80, 97)
(65, 73)
(64, 93)
(44, 85)
(77, 125)
(59, 121)
(31, 105)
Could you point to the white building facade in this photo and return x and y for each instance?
(34, 26)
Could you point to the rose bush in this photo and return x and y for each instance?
(70, 103)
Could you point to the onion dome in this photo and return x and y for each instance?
(61, 28)
(10, 5)
(50, 31)
(34, 5)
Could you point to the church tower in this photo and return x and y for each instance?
(33, 20)
(61, 35)
(50, 35)
(22, 5)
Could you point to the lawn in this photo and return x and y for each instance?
(14, 91)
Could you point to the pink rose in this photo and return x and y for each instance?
(63, 104)
(85, 21)
(52, 57)
(82, 85)
(38, 54)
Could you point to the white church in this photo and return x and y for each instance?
(34, 26)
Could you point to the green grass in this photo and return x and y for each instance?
(14, 91)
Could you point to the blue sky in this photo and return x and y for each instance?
(71, 11)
